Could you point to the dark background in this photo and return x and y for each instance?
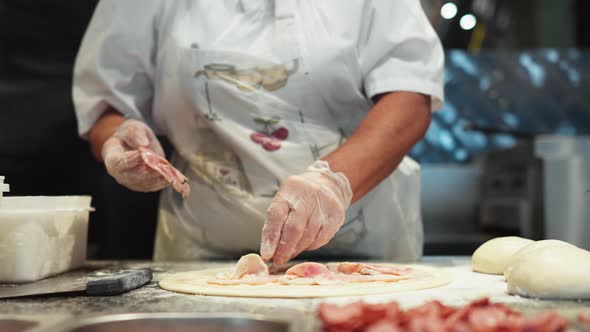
(41, 153)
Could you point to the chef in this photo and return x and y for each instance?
(291, 120)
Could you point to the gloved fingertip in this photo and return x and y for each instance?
(142, 139)
(278, 262)
(136, 137)
(266, 251)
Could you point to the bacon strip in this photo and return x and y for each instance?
(178, 181)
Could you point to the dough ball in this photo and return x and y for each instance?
(517, 258)
(492, 256)
(551, 271)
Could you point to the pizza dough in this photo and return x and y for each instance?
(551, 270)
(492, 256)
(523, 253)
(195, 282)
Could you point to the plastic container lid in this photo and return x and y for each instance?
(562, 147)
(4, 187)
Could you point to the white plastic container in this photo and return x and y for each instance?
(42, 236)
(567, 187)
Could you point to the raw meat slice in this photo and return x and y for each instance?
(362, 268)
(319, 274)
(584, 318)
(370, 278)
(252, 270)
(250, 264)
(178, 181)
(309, 270)
(310, 274)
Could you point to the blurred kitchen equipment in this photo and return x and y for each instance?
(511, 186)
(567, 182)
(449, 226)
(4, 187)
(42, 236)
(116, 284)
(184, 322)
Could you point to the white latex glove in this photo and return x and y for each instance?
(305, 214)
(123, 159)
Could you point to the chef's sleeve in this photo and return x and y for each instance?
(400, 51)
(115, 64)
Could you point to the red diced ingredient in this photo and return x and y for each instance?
(478, 316)
(376, 312)
(584, 318)
(341, 318)
(430, 323)
(384, 326)
(546, 322)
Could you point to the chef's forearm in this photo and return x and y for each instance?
(104, 128)
(383, 138)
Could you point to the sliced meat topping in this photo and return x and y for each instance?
(250, 264)
(367, 269)
(252, 270)
(178, 181)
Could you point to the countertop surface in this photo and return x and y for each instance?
(466, 286)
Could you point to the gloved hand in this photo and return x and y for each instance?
(305, 214)
(123, 159)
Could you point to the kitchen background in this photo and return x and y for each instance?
(514, 70)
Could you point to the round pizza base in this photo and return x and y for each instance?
(195, 282)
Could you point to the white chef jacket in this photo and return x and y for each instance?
(215, 76)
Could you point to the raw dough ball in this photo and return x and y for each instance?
(492, 256)
(551, 270)
(517, 258)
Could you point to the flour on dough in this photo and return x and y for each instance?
(196, 282)
(492, 256)
(550, 270)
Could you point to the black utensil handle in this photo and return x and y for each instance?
(119, 283)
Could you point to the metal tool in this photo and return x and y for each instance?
(115, 284)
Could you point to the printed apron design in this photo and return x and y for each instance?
(245, 125)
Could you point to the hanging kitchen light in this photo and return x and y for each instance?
(448, 10)
(467, 22)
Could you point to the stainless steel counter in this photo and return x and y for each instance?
(466, 286)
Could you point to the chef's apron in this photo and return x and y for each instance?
(248, 114)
